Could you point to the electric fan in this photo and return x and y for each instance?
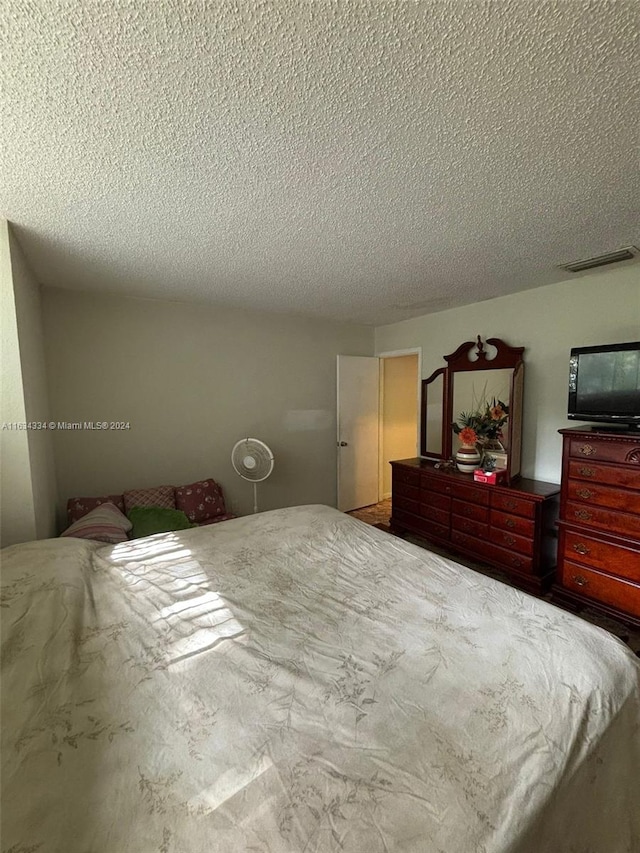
(253, 461)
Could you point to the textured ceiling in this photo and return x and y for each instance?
(365, 161)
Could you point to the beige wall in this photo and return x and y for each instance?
(18, 522)
(595, 309)
(399, 412)
(192, 380)
(28, 489)
(36, 396)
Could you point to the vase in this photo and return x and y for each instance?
(467, 458)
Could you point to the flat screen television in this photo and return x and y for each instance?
(604, 384)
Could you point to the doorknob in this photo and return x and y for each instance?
(342, 444)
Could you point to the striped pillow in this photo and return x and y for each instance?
(105, 523)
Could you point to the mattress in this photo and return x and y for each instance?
(299, 681)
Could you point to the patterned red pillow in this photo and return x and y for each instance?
(79, 507)
(200, 501)
(161, 496)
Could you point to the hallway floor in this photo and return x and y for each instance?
(379, 513)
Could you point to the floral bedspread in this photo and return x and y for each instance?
(297, 681)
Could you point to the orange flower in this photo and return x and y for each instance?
(468, 436)
(496, 412)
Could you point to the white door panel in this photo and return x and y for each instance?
(358, 431)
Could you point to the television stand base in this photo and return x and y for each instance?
(619, 428)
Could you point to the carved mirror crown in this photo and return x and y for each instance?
(473, 378)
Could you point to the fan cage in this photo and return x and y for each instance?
(252, 450)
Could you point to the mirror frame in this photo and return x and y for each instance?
(506, 357)
(441, 371)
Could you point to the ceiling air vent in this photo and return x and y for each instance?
(626, 254)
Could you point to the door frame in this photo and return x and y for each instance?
(396, 353)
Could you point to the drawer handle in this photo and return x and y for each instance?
(510, 522)
(447, 488)
(580, 580)
(582, 514)
(510, 504)
(587, 472)
(509, 539)
(466, 526)
(585, 493)
(580, 548)
(587, 450)
(517, 562)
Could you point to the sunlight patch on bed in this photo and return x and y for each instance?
(191, 617)
(229, 784)
(198, 605)
(207, 621)
(203, 640)
(151, 548)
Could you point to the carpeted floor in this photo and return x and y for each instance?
(379, 515)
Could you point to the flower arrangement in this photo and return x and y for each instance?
(468, 435)
(486, 422)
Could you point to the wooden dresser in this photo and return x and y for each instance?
(509, 527)
(599, 545)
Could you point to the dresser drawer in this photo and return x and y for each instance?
(468, 525)
(613, 591)
(512, 560)
(607, 496)
(614, 559)
(470, 510)
(405, 475)
(429, 499)
(479, 547)
(604, 519)
(513, 523)
(600, 449)
(398, 501)
(440, 516)
(404, 519)
(434, 483)
(498, 557)
(404, 490)
(430, 527)
(475, 494)
(512, 541)
(614, 475)
(508, 503)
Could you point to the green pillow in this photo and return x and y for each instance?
(148, 520)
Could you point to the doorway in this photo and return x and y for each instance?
(399, 414)
(378, 420)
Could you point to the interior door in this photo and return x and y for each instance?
(358, 431)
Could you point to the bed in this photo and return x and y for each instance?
(299, 681)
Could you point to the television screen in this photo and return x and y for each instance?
(605, 382)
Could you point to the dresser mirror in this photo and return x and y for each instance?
(476, 375)
(432, 412)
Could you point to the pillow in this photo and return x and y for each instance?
(77, 507)
(148, 520)
(161, 496)
(105, 523)
(200, 501)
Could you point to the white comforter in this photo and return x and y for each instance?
(298, 681)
